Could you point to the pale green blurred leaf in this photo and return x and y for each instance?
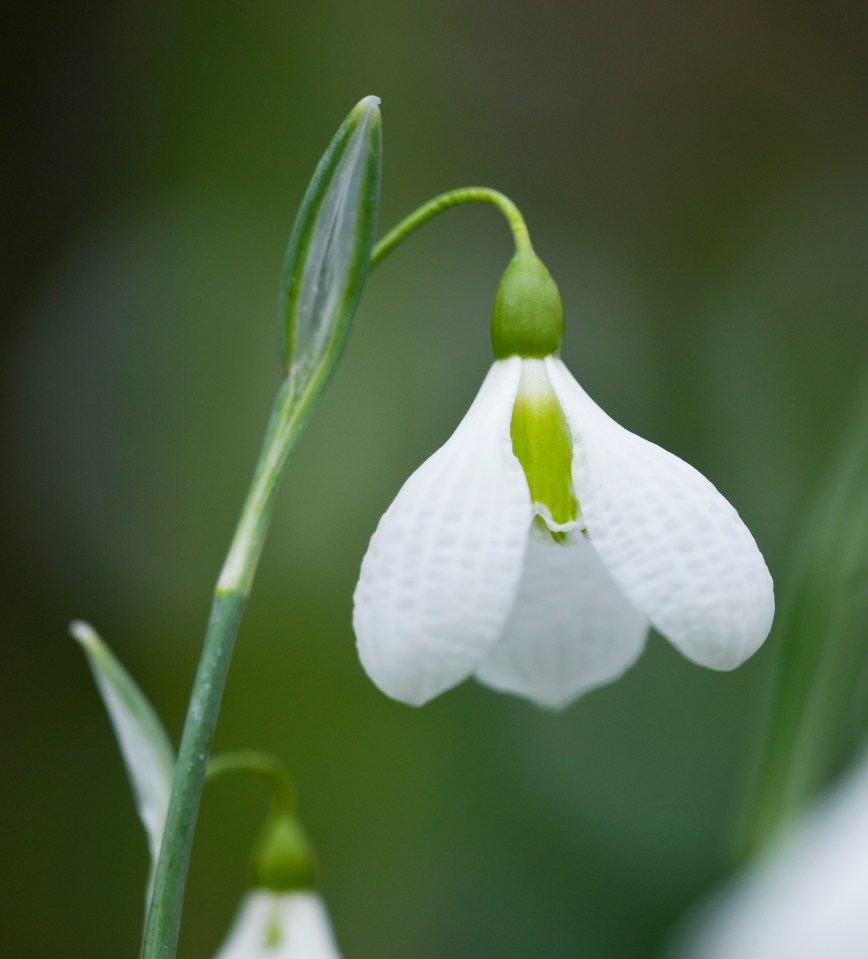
(144, 744)
(818, 711)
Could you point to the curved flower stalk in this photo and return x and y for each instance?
(535, 548)
(804, 898)
(280, 925)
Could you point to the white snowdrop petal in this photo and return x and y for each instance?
(442, 569)
(571, 628)
(805, 898)
(673, 544)
(272, 925)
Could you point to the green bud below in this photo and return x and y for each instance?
(527, 318)
(282, 858)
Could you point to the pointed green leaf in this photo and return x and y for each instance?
(329, 251)
(145, 747)
(817, 716)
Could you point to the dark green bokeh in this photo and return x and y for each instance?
(694, 178)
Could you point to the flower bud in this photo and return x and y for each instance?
(282, 858)
(527, 318)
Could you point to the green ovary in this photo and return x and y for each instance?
(542, 442)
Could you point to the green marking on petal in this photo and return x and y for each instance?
(273, 933)
(542, 442)
(558, 535)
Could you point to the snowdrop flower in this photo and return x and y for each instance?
(535, 548)
(280, 925)
(806, 897)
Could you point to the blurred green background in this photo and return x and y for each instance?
(696, 178)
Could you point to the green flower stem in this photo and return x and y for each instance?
(289, 417)
(282, 433)
(170, 878)
(469, 194)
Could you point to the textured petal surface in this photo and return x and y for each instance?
(674, 545)
(272, 925)
(806, 897)
(442, 569)
(571, 628)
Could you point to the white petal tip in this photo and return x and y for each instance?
(570, 631)
(407, 689)
(555, 700)
(735, 634)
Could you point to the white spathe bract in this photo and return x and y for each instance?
(459, 581)
(805, 898)
(280, 925)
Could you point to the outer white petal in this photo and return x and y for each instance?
(272, 925)
(571, 628)
(806, 898)
(442, 569)
(674, 545)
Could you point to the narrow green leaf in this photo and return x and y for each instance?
(817, 713)
(144, 745)
(329, 252)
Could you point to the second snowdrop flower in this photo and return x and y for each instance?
(535, 548)
(282, 916)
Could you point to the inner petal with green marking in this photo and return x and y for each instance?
(273, 933)
(542, 442)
